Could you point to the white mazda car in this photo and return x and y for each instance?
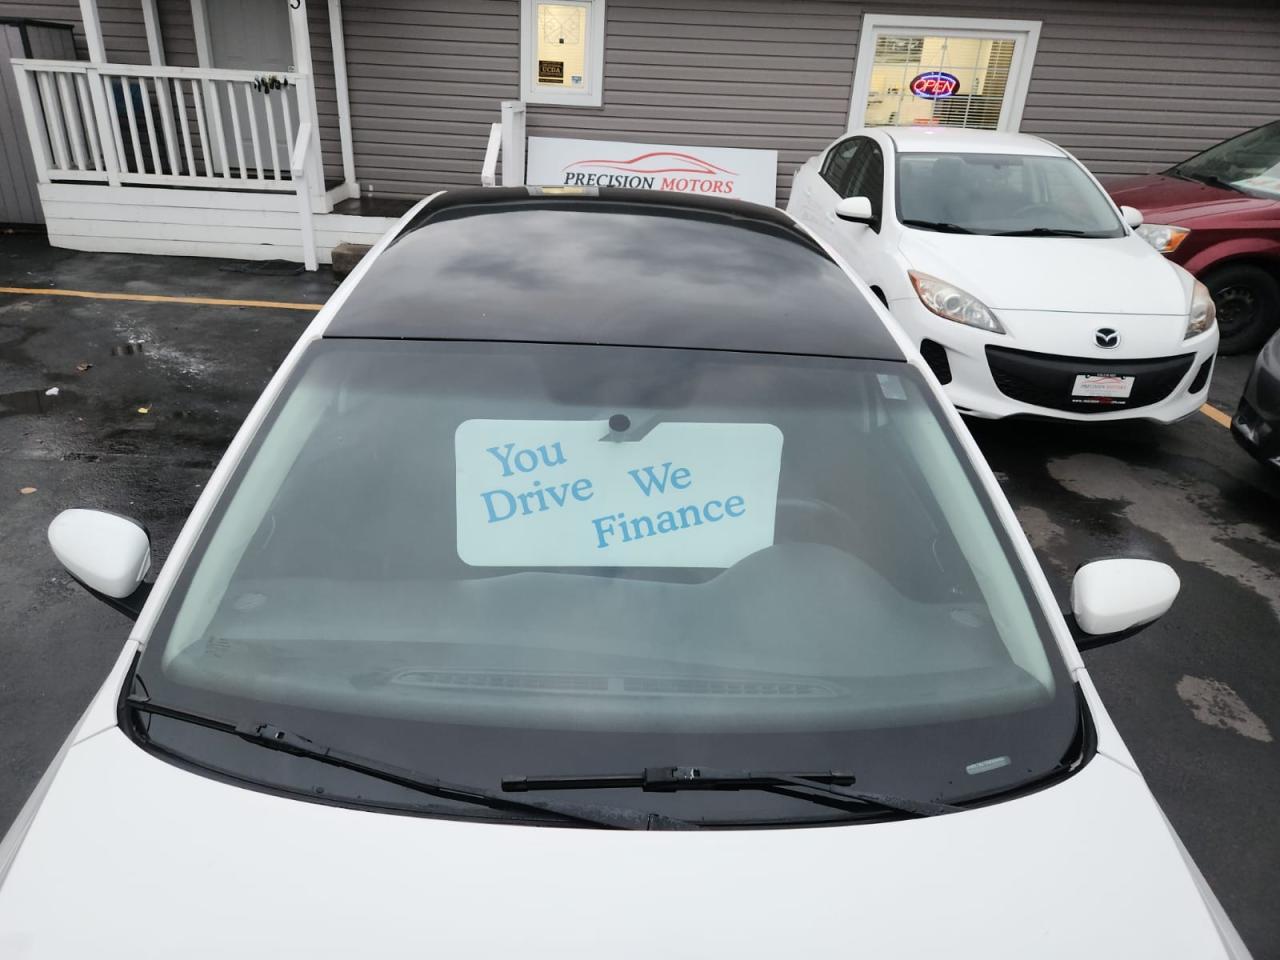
(662, 607)
(1023, 286)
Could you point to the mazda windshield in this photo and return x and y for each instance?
(1002, 195)
(484, 561)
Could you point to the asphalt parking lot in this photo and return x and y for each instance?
(150, 392)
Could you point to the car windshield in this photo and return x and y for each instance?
(1002, 194)
(478, 560)
(1249, 163)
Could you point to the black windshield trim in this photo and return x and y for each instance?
(1078, 755)
(129, 708)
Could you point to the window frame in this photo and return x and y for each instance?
(842, 185)
(870, 145)
(830, 159)
(593, 95)
(1024, 33)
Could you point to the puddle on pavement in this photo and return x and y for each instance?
(33, 402)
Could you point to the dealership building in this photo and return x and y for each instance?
(279, 128)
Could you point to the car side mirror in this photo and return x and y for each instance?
(107, 553)
(856, 210)
(1113, 599)
(1132, 216)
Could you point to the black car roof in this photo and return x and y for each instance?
(626, 267)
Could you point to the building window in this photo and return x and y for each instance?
(943, 71)
(562, 52)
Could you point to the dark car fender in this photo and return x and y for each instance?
(1233, 249)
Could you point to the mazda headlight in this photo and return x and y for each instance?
(1164, 238)
(1203, 313)
(952, 303)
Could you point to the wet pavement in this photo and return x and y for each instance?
(149, 394)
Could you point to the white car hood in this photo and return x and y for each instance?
(131, 857)
(1062, 274)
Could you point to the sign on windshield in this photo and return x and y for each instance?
(610, 493)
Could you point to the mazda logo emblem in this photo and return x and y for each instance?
(1106, 337)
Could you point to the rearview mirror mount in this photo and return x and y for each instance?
(108, 554)
(1114, 599)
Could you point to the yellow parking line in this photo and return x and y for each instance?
(151, 298)
(1216, 415)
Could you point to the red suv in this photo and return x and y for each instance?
(1218, 215)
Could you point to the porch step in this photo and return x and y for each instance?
(374, 207)
(346, 256)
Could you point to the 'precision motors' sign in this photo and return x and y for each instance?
(716, 171)
(578, 493)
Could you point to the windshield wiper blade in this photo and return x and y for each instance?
(274, 738)
(940, 226)
(828, 787)
(1045, 232)
(1212, 181)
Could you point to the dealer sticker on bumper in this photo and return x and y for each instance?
(1103, 385)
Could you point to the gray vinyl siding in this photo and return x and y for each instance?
(427, 78)
(19, 202)
(772, 75)
(1130, 86)
(177, 33)
(124, 34)
(19, 194)
(326, 89)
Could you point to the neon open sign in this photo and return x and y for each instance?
(934, 85)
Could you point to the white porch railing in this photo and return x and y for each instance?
(172, 126)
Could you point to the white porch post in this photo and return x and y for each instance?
(98, 89)
(338, 38)
(93, 31)
(204, 57)
(200, 24)
(151, 21)
(513, 143)
(300, 31)
(155, 49)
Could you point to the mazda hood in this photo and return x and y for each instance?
(131, 857)
(1060, 274)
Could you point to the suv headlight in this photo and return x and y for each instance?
(1164, 238)
(952, 303)
(1203, 313)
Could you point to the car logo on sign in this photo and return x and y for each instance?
(1106, 338)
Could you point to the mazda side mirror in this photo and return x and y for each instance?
(855, 210)
(1114, 599)
(108, 554)
(1132, 216)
